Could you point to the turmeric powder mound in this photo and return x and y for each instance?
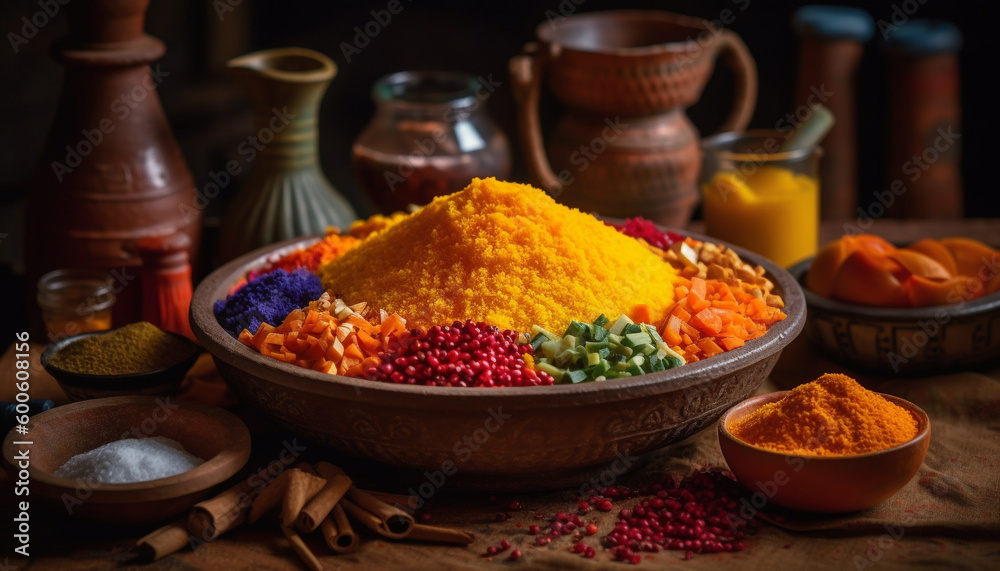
(505, 254)
(831, 416)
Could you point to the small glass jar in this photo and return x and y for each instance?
(430, 136)
(75, 301)
(762, 198)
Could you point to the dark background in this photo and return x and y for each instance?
(210, 116)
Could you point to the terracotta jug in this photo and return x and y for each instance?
(111, 172)
(286, 194)
(625, 147)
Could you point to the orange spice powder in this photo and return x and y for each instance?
(831, 416)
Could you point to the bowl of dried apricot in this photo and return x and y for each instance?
(932, 306)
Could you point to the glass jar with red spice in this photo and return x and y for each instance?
(430, 136)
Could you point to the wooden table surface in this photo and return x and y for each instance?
(58, 542)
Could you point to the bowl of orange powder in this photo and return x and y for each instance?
(828, 446)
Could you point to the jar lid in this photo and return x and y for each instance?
(834, 22)
(925, 37)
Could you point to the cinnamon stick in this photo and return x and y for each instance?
(211, 518)
(316, 510)
(377, 515)
(337, 531)
(164, 541)
(390, 498)
(302, 549)
(301, 488)
(421, 532)
(269, 497)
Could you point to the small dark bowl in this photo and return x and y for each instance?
(823, 484)
(80, 386)
(215, 435)
(904, 341)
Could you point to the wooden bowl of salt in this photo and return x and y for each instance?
(213, 436)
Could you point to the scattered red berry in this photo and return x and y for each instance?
(515, 555)
(698, 515)
(591, 528)
(534, 529)
(504, 545)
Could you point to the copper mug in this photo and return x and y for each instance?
(625, 147)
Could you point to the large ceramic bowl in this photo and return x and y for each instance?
(506, 438)
(904, 341)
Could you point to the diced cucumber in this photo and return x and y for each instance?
(552, 370)
(600, 333)
(576, 329)
(631, 328)
(619, 325)
(614, 338)
(645, 349)
(595, 346)
(599, 369)
(615, 358)
(593, 359)
(636, 339)
(604, 353)
(551, 348)
(652, 332)
(537, 341)
(601, 321)
(536, 330)
(576, 376)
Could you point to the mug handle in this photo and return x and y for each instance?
(526, 76)
(737, 57)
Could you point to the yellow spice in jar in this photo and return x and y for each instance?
(506, 254)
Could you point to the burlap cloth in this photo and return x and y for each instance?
(948, 516)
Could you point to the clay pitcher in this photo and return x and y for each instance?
(111, 172)
(625, 146)
(286, 195)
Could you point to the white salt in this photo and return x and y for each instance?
(130, 460)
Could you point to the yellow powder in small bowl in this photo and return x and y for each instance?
(831, 416)
(506, 254)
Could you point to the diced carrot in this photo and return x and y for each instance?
(681, 313)
(709, 347)
(368, 343)
(730, 343)
(641, 314)
(706, 322)
(672, 332)
(353, 352)
(699, 287)
(335, 352)
(360, 323)
(394, 324)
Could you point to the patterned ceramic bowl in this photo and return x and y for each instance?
(517, 438)
(904, 341)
